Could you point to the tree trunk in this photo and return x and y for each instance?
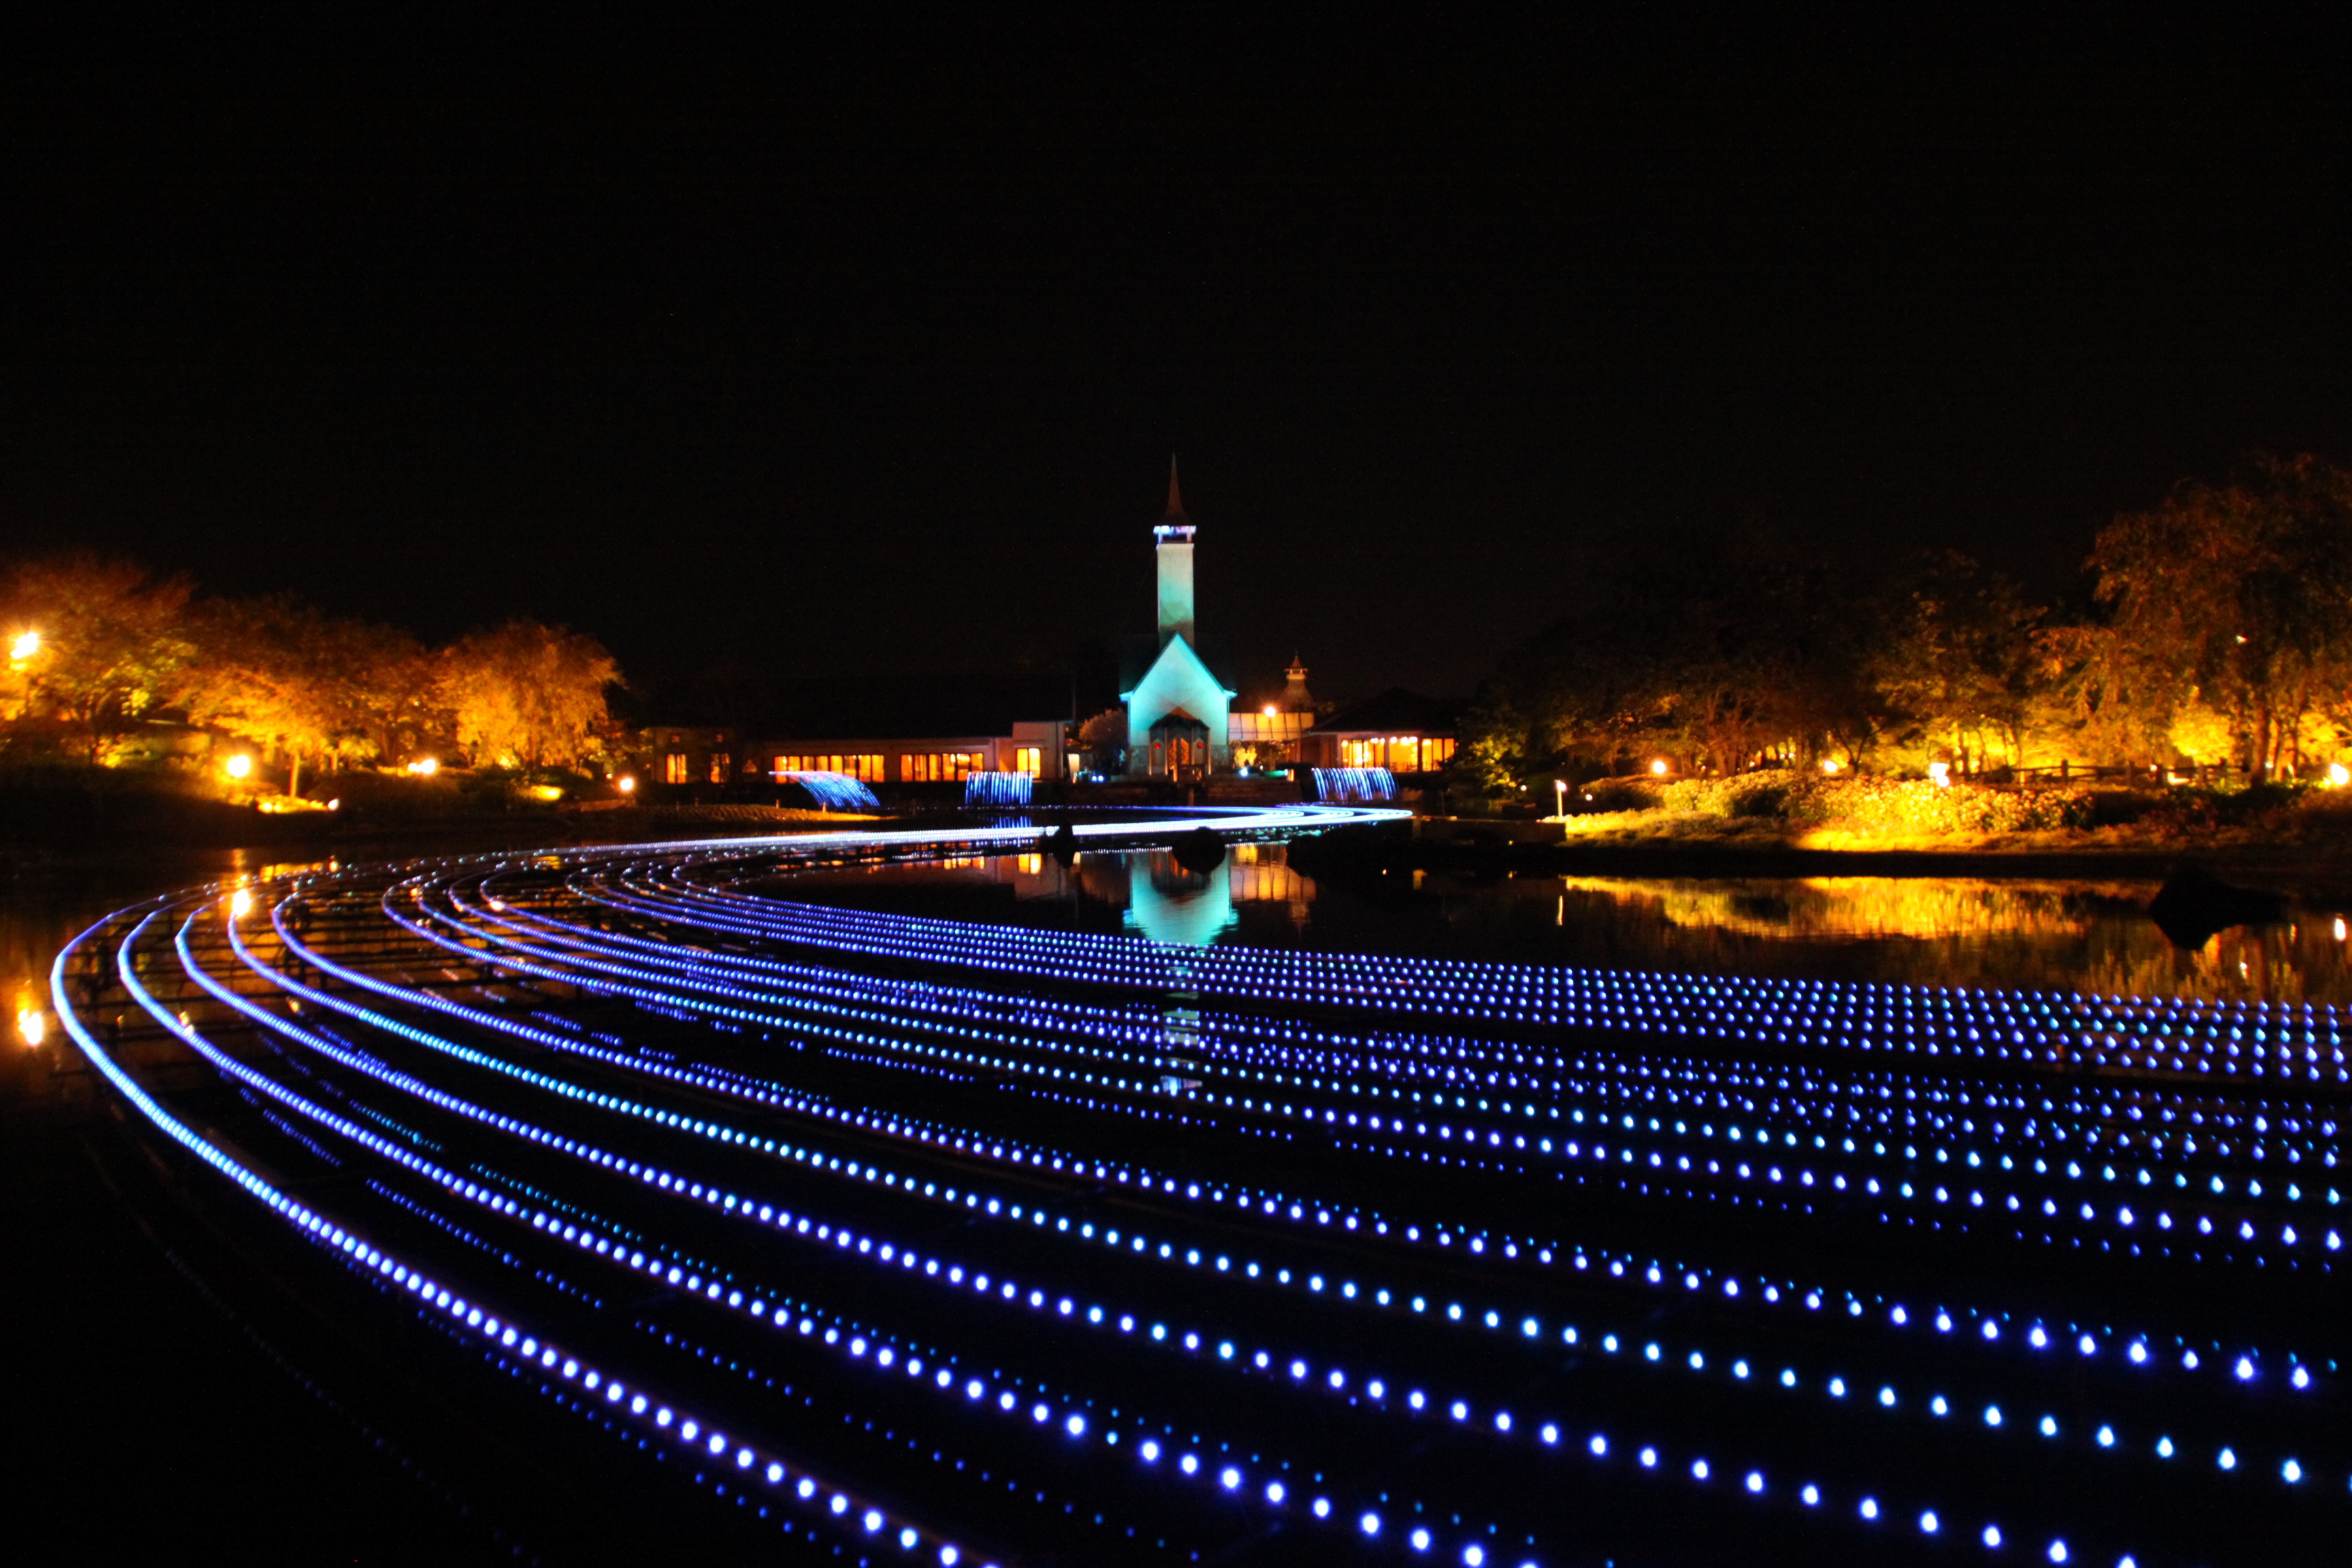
(294, 770)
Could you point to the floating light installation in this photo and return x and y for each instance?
(1366, 1283)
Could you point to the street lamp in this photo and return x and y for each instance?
(24, 646)
(626, 784)
(1559, 789)
(240, 766)
(1658, 768)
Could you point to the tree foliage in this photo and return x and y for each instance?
(527, 694)
(117, 646)
(2238, 597)
(1955, 659)
(1717, 664)
(112, 639)
(306, 686)
(2218, 629)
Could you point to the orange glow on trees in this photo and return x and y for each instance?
(112, 638)
(529, 694)
(310, 687)
(2233, 596)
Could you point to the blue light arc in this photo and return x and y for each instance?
(1209, 1240)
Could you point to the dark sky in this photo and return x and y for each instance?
(825, 349)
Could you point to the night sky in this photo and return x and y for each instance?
(829, 351)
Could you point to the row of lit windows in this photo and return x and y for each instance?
(925, 767)
(913, 766)
(865, 765)
(1398, 753)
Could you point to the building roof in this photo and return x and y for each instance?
(1395, 712)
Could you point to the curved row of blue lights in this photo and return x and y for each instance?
(1397, 1100)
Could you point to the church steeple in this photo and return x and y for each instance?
(1173, 545)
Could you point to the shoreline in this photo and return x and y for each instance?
(2324, 870)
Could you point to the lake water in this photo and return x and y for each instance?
(41, 908)
(100, 1287)
(2081, 935)
(2084, 935)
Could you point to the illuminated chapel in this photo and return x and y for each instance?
(1178, 713)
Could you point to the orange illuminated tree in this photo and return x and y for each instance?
(111, 639)
(529, 695)
(311, 688)
(2239, 597)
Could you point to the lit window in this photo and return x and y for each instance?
(1030, 759)
(674, 769)
(719, 761)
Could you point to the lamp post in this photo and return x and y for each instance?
(1559, 790)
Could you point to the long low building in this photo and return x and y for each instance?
(1399, 730)
(880, 731)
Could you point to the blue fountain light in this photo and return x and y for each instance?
(833, 792)
(998, 789)
(1354, 786)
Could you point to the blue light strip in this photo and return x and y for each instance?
(1757, 1097)
(661, 1420)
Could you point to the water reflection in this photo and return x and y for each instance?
(41, 908)
(2092, 936)
(1166, 903)
(2081, 935)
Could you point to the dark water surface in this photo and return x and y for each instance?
(229, 1437)
(2061, 935)
(166, 1410)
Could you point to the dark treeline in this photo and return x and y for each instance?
(102, 653)
(2213, 631)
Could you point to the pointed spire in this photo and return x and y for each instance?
(1175, 496)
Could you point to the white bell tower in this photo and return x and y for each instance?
(1174, 551)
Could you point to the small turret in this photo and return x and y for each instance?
(1295, 698)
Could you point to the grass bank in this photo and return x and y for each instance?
(1794, 810)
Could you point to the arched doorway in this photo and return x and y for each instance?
(1179, 747)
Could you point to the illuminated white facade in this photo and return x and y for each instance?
(1178, 715)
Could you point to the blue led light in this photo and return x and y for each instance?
(733, 1137)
